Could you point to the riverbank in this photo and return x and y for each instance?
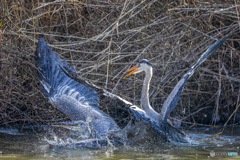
(104, 38)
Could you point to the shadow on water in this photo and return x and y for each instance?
(34, 145)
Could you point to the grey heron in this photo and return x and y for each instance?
(78, 98)
(160, 120)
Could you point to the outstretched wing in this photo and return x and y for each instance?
(54, 81)
(99, 90)
(78, 101)
(174, 96)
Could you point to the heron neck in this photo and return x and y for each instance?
(145, 105)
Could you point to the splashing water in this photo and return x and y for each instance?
(142, 143)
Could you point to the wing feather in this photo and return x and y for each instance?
(78, 101)
(174, 96)
(54, 81)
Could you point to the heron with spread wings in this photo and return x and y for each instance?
(78, 98)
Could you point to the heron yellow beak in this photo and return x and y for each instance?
(131, 70)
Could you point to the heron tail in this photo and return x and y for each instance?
(173, 134)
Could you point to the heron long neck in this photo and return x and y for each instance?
(145, 105)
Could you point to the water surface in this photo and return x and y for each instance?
(33, 145)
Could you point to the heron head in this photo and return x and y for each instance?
(143, 65)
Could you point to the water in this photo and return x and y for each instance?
(35, 145)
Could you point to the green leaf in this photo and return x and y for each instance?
(1, 24)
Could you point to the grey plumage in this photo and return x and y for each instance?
(174, 96)
(146, 112)
(74, 99)
(78, 98)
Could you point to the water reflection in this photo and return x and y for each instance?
(32, 145)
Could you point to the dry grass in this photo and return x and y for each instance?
(104, 38)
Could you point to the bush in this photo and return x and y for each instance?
(104, 38)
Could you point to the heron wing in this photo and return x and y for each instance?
(174, 96)
(54, 81)
(98, 89)
(74, 99)
(77, 111)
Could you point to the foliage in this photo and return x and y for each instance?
(102, 39)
